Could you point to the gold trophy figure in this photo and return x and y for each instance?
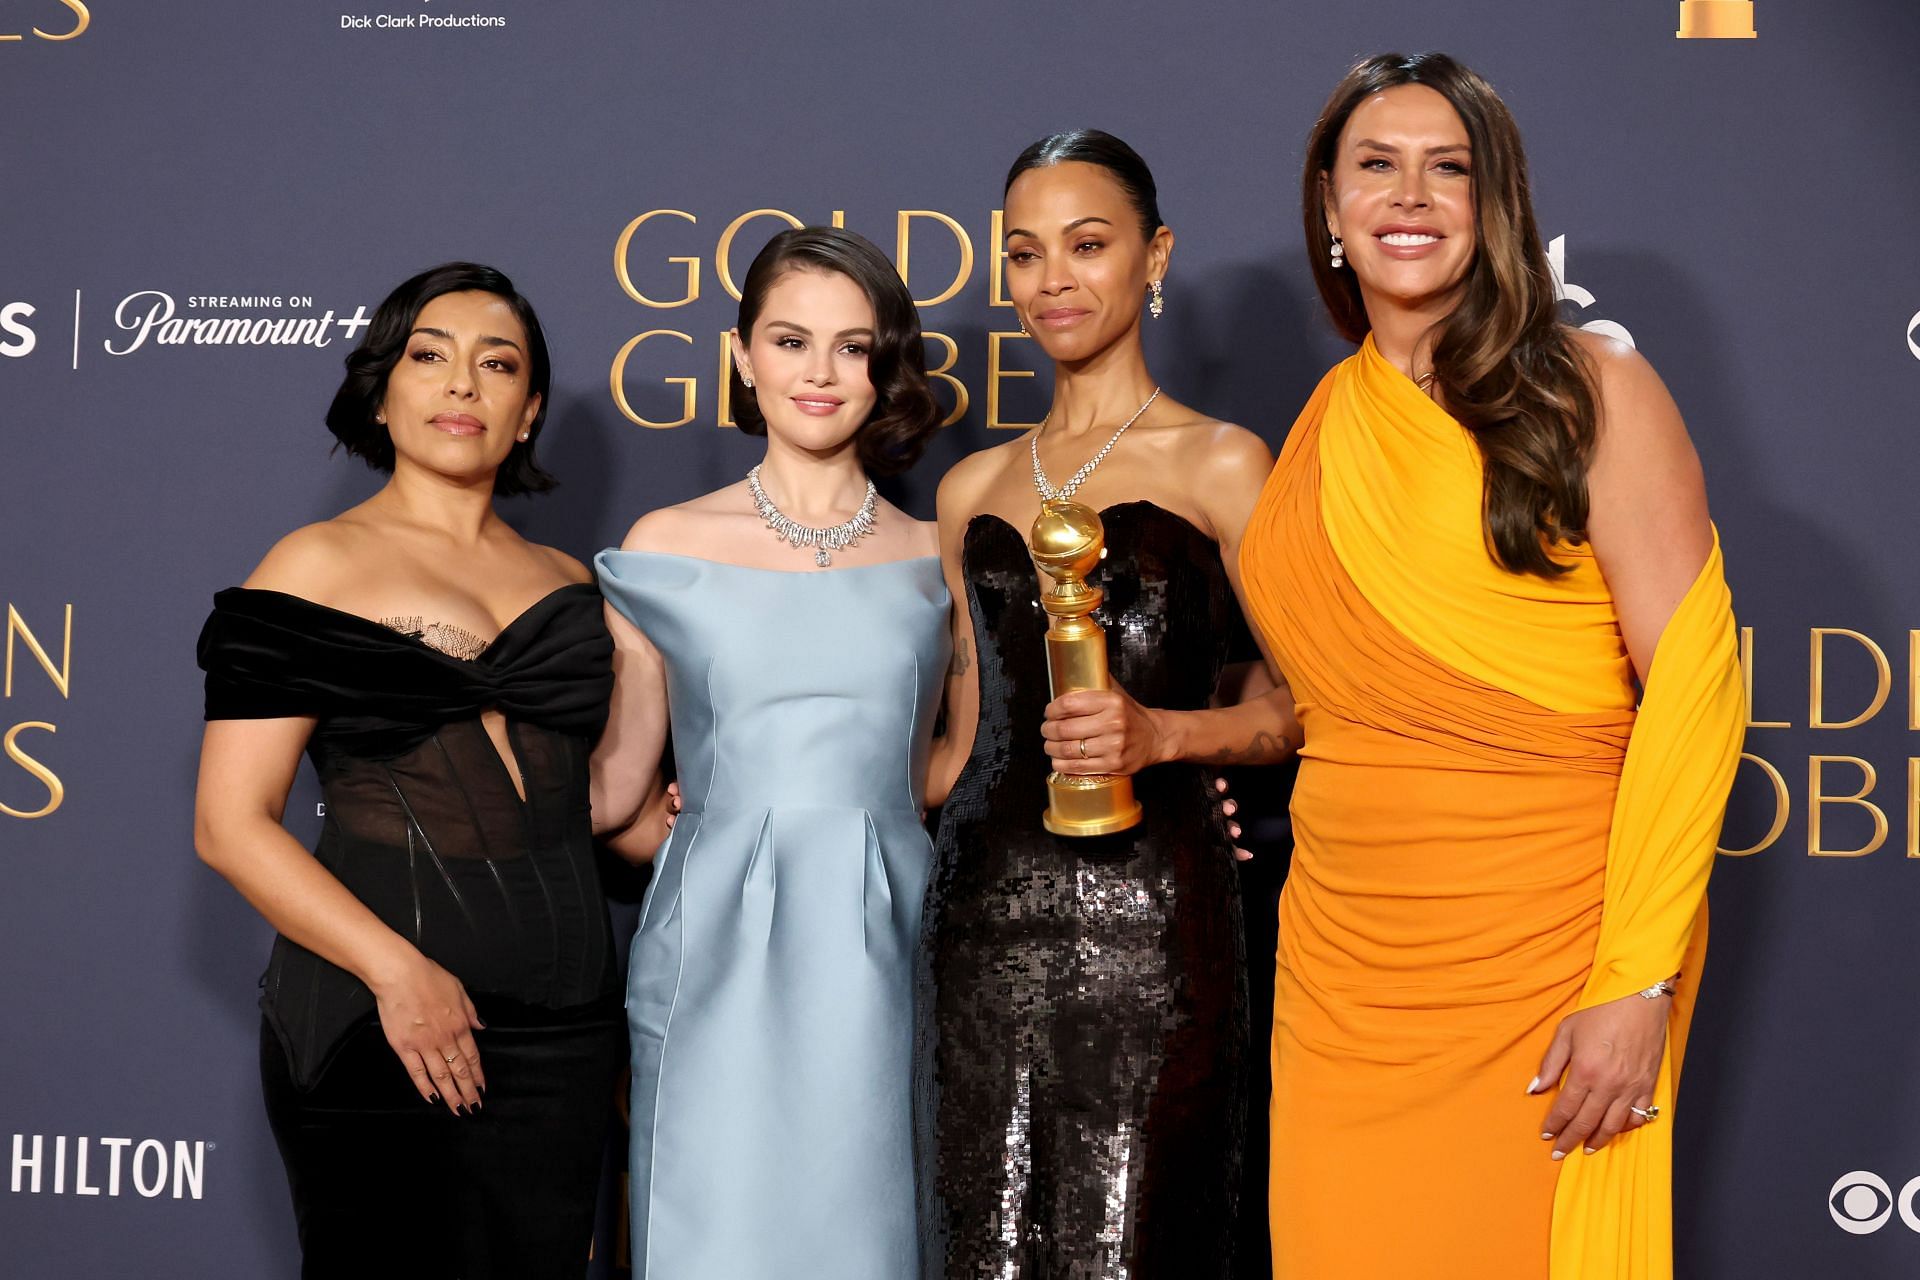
(1068, 543)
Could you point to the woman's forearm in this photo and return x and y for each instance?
(302, 899)
(1261, 730)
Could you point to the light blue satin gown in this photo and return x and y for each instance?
(770, 990)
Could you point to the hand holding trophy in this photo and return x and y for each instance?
(1067, 542)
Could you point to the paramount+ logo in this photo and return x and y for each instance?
(1862, 1202)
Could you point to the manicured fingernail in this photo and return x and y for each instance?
(1590, 1150)
(1559, 1155)
(1534, 1087)
(1547, 1136)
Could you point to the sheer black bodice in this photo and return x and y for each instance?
(424, 823)
(1088, 1029)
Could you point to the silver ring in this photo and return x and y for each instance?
(1648, 1114)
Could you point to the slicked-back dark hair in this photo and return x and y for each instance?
(1091, 146)
(905, 414)
(351, 416)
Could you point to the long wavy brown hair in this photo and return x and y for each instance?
(1503, 362)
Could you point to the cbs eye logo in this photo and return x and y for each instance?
(1862, 1203)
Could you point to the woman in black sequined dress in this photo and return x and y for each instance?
(1085, 1030)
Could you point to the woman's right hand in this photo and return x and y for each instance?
(429, 1023)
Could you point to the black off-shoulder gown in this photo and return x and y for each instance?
(424, 826)
(1088, 1023)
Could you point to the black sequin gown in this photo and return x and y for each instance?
(1087, 1036)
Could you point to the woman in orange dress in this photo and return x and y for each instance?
(1484, 565)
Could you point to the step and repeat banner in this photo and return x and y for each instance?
(200, 205)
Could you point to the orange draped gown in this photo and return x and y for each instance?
(1489, 835)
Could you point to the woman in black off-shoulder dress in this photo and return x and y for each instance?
(1085, 1037)
(442, 1031)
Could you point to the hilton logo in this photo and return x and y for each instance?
(105, 1166)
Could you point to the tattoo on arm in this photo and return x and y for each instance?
(1262, 748)
(962, 660)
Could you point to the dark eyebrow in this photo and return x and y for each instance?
(1075, 225)
(1432, 151)
(485, 342)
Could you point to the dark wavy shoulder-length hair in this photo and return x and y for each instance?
(1503, 362)
(905, 414)
(351, 416)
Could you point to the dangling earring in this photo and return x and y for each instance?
(1023, 327)
(1339, 256)
(1159, 303)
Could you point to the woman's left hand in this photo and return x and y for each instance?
(1102, 731)
(1611, 1056)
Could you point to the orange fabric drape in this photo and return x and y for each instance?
(1485, 840)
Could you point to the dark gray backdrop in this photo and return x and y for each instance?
(1744, 209)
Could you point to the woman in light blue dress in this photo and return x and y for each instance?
(795, 628)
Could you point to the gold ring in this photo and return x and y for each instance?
(1083, 748)
(452, 1060)
(1648, 1114)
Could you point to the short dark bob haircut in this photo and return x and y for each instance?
(905, 414)
(1091, 146)
(351, 416)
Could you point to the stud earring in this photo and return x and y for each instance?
(1159, 303)
(1339, 255)
(747, 383)
(525, 436)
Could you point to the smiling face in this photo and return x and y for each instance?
(1077, 263)
(1400, 196)
(460, 394)
(807, 359)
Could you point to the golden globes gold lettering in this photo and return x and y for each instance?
(623, 247)
(903, 250)
(1067, 542)
(689, 387)
(17, 754)
(943, 373)
(1818, 799)
(1839, 698)
(1716, 20)
(82, 19)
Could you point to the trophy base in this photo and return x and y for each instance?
(1078, 805)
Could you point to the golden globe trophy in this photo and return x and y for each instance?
(1068, 543)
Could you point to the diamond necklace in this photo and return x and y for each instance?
(823, 541)
(1066, 490)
